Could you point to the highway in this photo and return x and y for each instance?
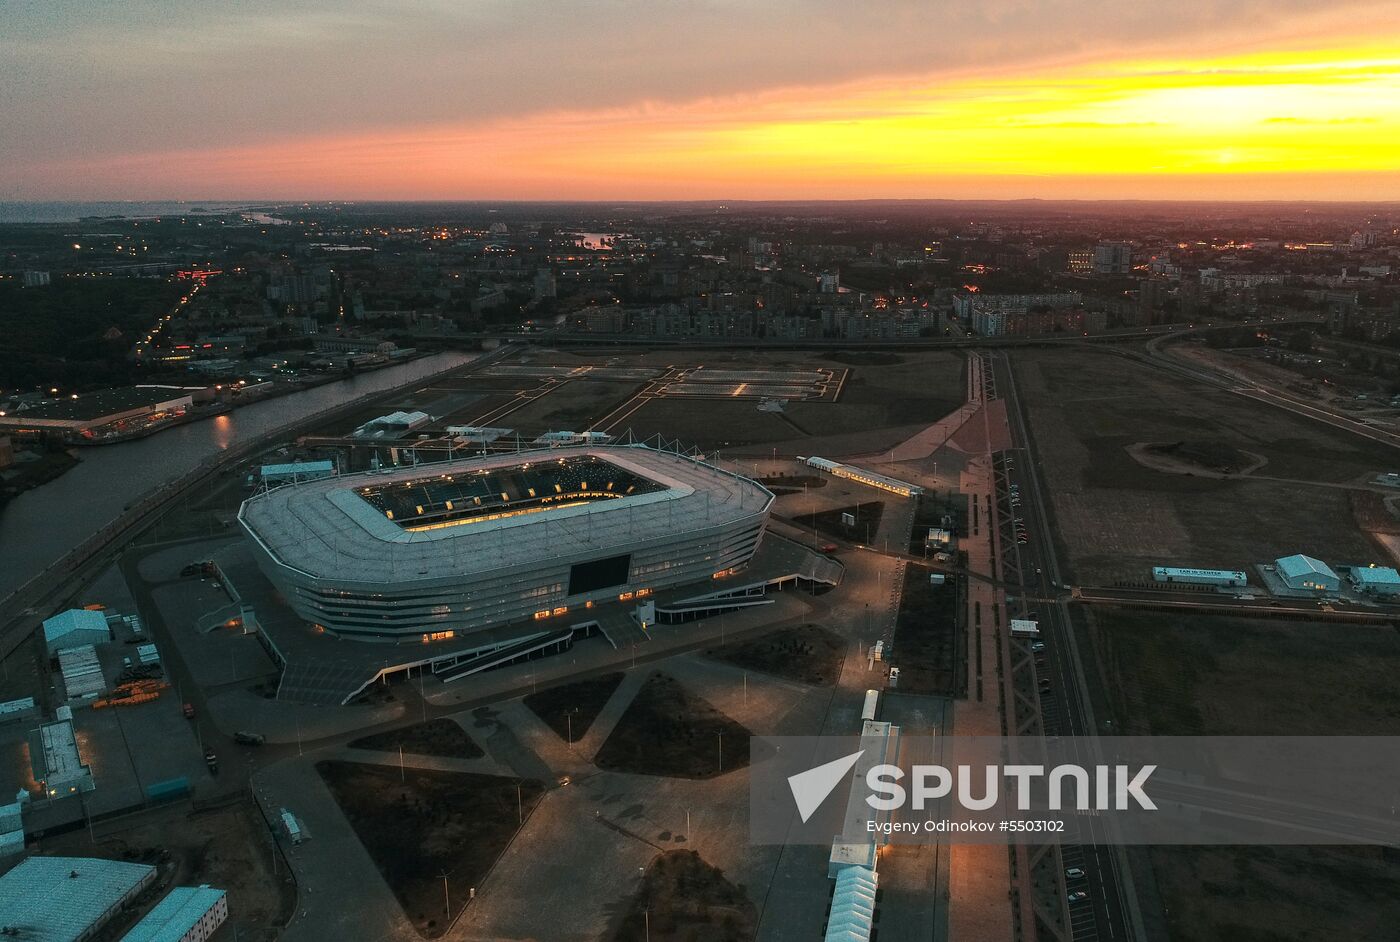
(1112, 911)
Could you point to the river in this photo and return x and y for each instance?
(39, 526)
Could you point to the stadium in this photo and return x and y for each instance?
(462, 547)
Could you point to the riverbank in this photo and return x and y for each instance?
(28, 473)
(200, 414)
(44, 528)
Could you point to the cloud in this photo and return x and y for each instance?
(99, 79)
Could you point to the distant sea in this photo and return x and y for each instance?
(132, 209)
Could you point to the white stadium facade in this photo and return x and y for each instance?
(463, 547)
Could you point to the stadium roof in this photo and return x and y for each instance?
(59, 899)
(75, 619)
(175, 915)
(326, 528)
(1293, 567)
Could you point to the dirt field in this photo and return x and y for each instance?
(570, 709)
(1168, 674)
(669, 731)
(710, 423)
(684, 899)
(227, 847)
(867, 521)
(890, 391)
(927, 637)
(573, 406)
(1191, 674)
(432, 823)
(808, 654)
(1116, 517)
(440, 737)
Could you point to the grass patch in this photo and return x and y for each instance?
(685, 899)
(427, 824)
(669, 731)
(1171, 674)
(1278, 894)
(927, 637)
(572, 708)
(440, 737)
(808, 654)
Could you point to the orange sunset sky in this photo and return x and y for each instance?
(536, 100)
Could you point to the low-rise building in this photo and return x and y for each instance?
(83, 415)
(55, 761)
(1307, 574)
(1376, 580)
(187, 914)
(75, 628)
(68, 899)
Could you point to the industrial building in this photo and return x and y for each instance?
(187, 914)
(456, 548)
(1376, 580)
(861, 476)
(12, 827)
(1224, 578)
(75, 628)
(81, 416)
(54, 759)
(1306, 574)
(82, 673)
(393, 425)
(67, 899)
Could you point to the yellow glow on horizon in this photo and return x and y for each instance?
(1277, 123)
(1331, 111)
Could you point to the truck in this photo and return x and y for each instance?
(212, 761)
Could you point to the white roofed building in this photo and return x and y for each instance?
(447, 549)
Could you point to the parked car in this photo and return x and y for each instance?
(1078, 896)
(189, 711)
(249, 739)
(1075, 873)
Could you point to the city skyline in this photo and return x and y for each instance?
(1245, 101)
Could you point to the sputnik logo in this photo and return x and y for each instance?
(810, 788)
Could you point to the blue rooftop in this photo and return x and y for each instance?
(1293, 567)
(175, 915)
(1375, 575)
(75, 619)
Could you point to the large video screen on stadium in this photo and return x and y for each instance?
(599, 574)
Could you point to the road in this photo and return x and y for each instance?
(1112, 909)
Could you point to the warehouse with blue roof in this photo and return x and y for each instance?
(1376, 580)
(1304, 573)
